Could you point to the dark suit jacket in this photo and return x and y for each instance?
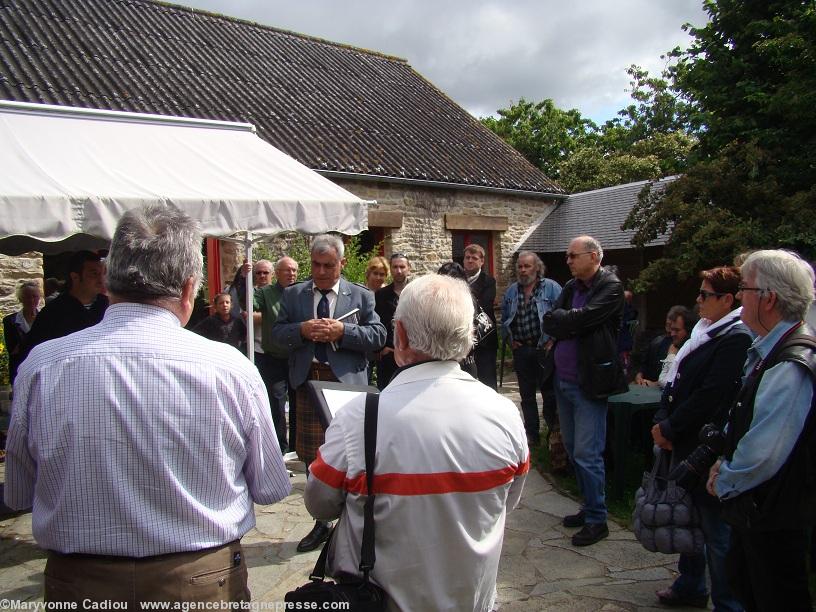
(14, 339)
(62, 316)
(386, 300)
(707, 382)
(484, 292)
(363, 332)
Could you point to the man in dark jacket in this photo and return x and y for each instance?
(585, 322)
(483, 288)
(81, 305)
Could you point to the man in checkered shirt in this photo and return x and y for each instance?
(141, 445)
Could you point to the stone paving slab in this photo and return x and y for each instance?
(539, 569)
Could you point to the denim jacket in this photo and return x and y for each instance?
(547, 295)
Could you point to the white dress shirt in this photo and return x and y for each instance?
(136, 437)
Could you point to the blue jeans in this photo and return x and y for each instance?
(583, 429)
(692, 568)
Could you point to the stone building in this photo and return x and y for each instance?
(365, 120)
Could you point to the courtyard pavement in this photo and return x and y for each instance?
(539, 570)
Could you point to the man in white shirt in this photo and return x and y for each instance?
(141, 445)
(451, 460)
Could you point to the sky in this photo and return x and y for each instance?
(487, 54)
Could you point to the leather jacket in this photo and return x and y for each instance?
(596, 326)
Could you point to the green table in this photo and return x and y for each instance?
(622, 407)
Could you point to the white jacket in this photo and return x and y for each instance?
(451, 458)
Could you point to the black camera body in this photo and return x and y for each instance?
(689, 471)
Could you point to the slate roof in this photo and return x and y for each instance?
(599, 213)
(330, 106)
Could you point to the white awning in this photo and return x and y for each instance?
(68, 175)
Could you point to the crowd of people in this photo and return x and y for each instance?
(128, 425)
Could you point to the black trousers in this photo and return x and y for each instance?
(385, 370)
(485, 355)
(275, 373)
(767, 570)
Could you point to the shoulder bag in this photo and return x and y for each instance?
(665, 518)
(360, 594)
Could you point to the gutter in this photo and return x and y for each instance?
(438, 184)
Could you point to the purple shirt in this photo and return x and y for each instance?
(566, 351)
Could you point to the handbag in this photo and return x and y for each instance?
(358, 594)
(665, 518)
(483, 326)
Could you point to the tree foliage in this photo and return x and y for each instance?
(749, 82)
(648, 139)
(297, 246)
(543, 133)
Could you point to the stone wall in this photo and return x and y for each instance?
(424, 236)
(14, 270)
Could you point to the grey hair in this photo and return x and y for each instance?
(787, 275)
(29, 284)
(154, 250)
(437, 313)
(326, 242)
(541, 269)
(279, 263)
(592, 245)
(262, 261)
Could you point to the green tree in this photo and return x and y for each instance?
(647, 140)
(298, 245)
(589, 168)
(543, 133)
(749, 80)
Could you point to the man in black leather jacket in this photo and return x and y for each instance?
(585, 323)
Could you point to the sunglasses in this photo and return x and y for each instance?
(704, 295)
(577, 255)
(742, 287)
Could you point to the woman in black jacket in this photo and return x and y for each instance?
(703, 381)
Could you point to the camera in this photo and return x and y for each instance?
(688, 472)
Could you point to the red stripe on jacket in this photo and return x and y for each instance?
(418, 484)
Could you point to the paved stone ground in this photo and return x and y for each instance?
(540, 569)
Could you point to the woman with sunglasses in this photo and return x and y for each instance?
(702, 383)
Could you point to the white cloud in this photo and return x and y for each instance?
(486, 53)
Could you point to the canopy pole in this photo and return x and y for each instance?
(250, 289)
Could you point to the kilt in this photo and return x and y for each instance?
(310, 434)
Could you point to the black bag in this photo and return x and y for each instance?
(360, 594)
(483, 326)
(665, 518)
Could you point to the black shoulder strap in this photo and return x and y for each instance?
(367, 556)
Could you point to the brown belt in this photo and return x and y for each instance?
(321, 371)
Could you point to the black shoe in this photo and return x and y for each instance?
(319, 534)
(574, 520)
(590, 533)
(670, 597)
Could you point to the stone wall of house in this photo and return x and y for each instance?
(13, 271)
(423, 235)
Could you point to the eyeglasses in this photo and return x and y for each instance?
(704, 295)
(399, 256)
(742, 287)
(576, 255)
(262, 272)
